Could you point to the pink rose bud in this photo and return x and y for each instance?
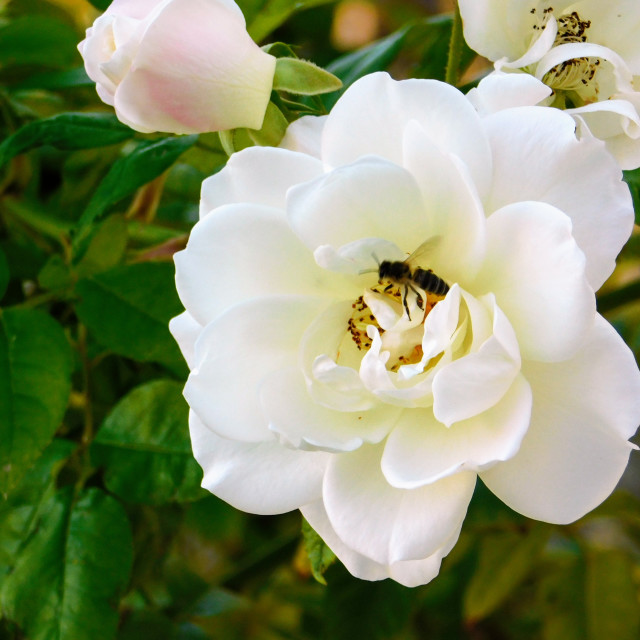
(180, 66)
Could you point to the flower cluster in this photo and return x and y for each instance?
(401, 296)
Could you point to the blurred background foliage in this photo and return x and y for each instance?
(105, 532)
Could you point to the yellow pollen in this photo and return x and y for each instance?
(362, 317)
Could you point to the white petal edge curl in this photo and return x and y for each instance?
(238, 254)
(410, 524)
(305, 424)
(263, 478)
(499, 91)
(498, 28)
(373, 113)
(576, 448)
(185, 331)
(537, 273)
(410, 573)
(617, 122)
(368, 198)
(305, 135)
(421, 450)
(577, 177)
(259, 175)
(235, 352)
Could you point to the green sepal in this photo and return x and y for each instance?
(303, 78)
(320, 556)
(273, 128)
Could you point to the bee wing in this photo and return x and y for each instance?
(420, 257)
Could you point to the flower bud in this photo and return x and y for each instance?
(179, 66)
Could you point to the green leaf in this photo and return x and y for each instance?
(72, 570)
(100, 4)
(303, 78)
(611, 596)
(320, 556)
(35, 381)
(38, 40)
(106, 247)
(359, 609)
(56, 80)
(505, 561)
(146, 162)
(66, 131)
(561, 599)
(375, 57)
(4, 273)
(127, 309)
(632, 178)
(56, 274)
(144, 446)
(273, 13)
(35, 488)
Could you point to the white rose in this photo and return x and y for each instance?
(583, 56)
(312, 386)
(180, 66)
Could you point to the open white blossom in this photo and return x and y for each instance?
(314, 386)
(582, 56)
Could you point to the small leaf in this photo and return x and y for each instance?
(55, 275)
(66, 131)
(303, 78)
(145, 448)
(611, 596)
(106, 247)
(72, 570)
(127, 309)
(146, 162)
(35, 381)
(320, 556)
(504, 562)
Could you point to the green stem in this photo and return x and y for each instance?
(455, 50)
(618, 298)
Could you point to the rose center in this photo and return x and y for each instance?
(571, 80)
(404, 340)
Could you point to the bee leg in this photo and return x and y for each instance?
(419, 298)
(404, 301)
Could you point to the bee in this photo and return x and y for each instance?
(413, 277)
